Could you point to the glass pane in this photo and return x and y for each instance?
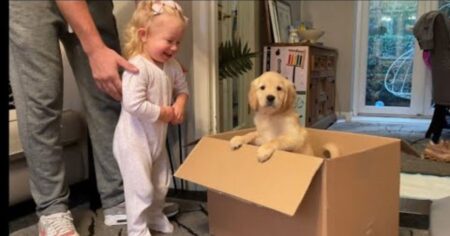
(444, 6)
(390, 53)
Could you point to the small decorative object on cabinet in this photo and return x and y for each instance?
(312, 69)
(310, 35)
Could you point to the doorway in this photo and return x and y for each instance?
(237, 23)
(391, 75)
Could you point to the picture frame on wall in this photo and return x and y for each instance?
(274, 21)
(267, 23)
(284, 18)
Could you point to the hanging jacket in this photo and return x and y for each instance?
(432, 31)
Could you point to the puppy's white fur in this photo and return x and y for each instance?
(272, 96)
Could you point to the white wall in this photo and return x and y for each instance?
(295, 10)
(337, 19)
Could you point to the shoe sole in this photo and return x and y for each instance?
(171, 209)
(172, 214)
(113, 222)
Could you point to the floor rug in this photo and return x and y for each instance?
(412, 133)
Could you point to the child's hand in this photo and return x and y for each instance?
(166, 114)
(178, 110)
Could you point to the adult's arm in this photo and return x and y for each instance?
(104, 61)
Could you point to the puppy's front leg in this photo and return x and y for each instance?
(237, 141)
(265, 151)
(284, 143)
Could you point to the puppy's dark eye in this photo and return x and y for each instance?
(262, 87)
(279, 88)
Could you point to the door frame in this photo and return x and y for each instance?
(205, 64)
(237, 88)
(421, 90)
(205, 67)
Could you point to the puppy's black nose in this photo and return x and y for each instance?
(270, 98)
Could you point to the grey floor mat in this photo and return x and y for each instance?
(412, 134)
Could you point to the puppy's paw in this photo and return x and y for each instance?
(236, 142)
(264, 153)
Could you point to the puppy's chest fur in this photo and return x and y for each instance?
(270, 127)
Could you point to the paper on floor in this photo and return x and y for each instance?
(418, 186)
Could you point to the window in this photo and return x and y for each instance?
(390, 75)
(390, 53)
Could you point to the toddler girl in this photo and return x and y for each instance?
(151, 99)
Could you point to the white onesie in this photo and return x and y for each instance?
(139, 141)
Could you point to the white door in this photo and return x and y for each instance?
(219, 105)
(392, 78)
(237, 20)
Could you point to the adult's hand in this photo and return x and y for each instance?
(104, 61)
(105, 64)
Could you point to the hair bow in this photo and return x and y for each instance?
(158, 6)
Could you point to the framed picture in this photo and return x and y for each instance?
(274, 21)
(284, 19)
(267, 24)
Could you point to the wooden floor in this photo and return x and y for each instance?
(191, 220)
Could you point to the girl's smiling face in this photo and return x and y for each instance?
(162, 39)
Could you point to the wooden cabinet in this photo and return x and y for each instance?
(312, 69)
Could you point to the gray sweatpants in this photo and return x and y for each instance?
(36, 75)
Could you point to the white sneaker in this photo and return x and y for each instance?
(116, 215)
(58, 224)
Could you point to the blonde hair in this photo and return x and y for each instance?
(142, 18)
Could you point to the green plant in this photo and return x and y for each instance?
(234, 59)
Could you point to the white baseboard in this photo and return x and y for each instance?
(350, 116)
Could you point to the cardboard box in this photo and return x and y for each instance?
(355, 194)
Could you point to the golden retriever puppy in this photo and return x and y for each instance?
(272, 96)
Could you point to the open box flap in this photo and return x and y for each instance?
(279, 183)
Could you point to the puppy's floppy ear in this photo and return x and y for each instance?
(252, 99)
(290, 97)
